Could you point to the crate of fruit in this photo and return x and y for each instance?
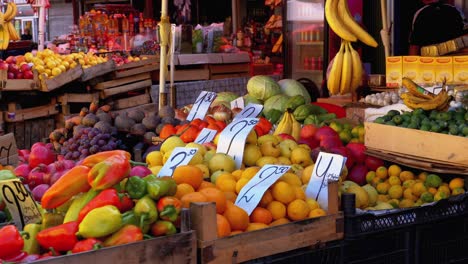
(19, 79)
(51, 83)
(97, 70)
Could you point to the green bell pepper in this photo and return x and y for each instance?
(145, 210)
(129, 218)
(158, 187)
(136, 187)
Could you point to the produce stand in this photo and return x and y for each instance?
(58, 81)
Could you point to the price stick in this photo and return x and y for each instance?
(206, 135)
(327, 168)
(19, 202)
(232, 138)
(251, 194)
(238, 103)
(179, 156)
(201, 105)
(250, 111)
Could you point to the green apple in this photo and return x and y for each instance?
(268, 137)
(201, 148)
(208, 155)
(286, 146)
(215, 175)
(301, 156)
(251, 154)
(221, 161)
(252, 137)
(269, 148)
(266, 160)
(171, 143)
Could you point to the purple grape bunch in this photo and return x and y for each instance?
(88, 141)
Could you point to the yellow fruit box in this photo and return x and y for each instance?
(426, 72)
(411, 67)
(460, 69)
(394, 70)
(416, 145)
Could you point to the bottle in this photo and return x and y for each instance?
(125, 32)
(141, 25)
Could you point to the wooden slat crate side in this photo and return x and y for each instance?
(31, 113)
(77, 97)
(229, 68)
(228, 75)
(122, 81)
(31, 131)
(190, 75)
(125, 88)
(132, 101)
(435, 146)
(174, 249)
(139, 63)
(134, 71)
(48, 85)
(97, 70)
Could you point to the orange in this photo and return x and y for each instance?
(280, 221)
(394, 170)
(237, 217)
(406, 175)
(183, 189)
(381, 172)
(256, 226)
(370, 176)
(230, 196)
(217, 196)
(291, 178)
(277, 210)
(283, 192)
(223, 227)
(422, 176)
(394, 180)
(418, 189)
(266, 199)
(456, 183)
(317, 213)
(444, 189)
(194, 197)
(313, 204)
(383, 187)
(408, 195)
(298, 210)
(261, 215)
(206, 184)
(250, 172)
(190, 174)
(237, 174)
(236, 232)
(226, 185)
(299, 192)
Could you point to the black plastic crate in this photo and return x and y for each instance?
(390, 247)
(442, 242)
(454, 206)
(329, 253)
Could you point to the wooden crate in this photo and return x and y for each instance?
(136, 67)
(417, 144)
(58, 81)
(130, 100)
(97, 70)
(173, 249)
(15, 114)
(16, 85)
(83, 99)
(265, 242)
(222, 71)
(30, 131)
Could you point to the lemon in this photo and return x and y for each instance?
(298, 210)
(313, 204)
(283, 192)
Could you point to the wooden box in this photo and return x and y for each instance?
(15, 114)
(136, 67)
(418, 145)
(232, 70)
(28, 132)
(17, 85)
(265, 242)
(84, 99)
(98, 70)
(50, 84)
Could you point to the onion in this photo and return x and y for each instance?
(222, 113)
(181, 114)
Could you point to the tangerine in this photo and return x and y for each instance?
(223, 227)
(183, 189)
(280, 221)
(230, 196)
(283, 192)
(267, 198)
(317, 213)
(456, 183)
(261, 215)
(190, 174)
(206, 184)
(237, 217)
(217, 196)
(194, 197)
(277, 210)
(298, 210)
(256, 226)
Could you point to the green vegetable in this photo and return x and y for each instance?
(262, 87)
(136, 187)
(100, 222)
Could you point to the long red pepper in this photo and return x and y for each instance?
(106, 197)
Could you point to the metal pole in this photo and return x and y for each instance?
(41, 25)
(163, 58)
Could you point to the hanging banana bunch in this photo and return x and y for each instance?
(7, 29)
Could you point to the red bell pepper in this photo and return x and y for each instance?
(73, 182)
(11, 242)
(106, 197)
(94, 159)
(169, 208)
(109, 172)
(163, 228)
(59, 238)
(127, 234)
(87, 245)
(126, 203)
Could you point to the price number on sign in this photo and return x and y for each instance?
(253, 191)
(201, 105)
(232, 138)
(19, 202)
(250, 111)
(205, 136)
(238, 103)
(179, 156)
(327, 168)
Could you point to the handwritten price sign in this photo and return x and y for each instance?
(179, 156)
(327, 168)
(8, 150)
(206, 135)
(250, 111)
(238, 103)
(253, 191)
(232, 139)
(201, 105)
(19, 202)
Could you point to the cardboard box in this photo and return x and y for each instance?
(426, 73)
(394, 69)
(411, 67)
(460, 69)
(443, 69)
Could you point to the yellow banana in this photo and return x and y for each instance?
(334, 76)
(356, 78)
(431, 104)
(296, 128)
(346, 71)
(12, 31)
(278, 44)
(285, 124)
(4, 38)
(415, 89)
(353, 26)
(413, 98)
(15, 9)
(335, 22)
(8, 15)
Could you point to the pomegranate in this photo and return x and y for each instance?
(38, 175)
(41, 154)
(140, 171)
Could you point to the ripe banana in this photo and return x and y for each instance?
(296, 128)
(412, 98)
(8, 15)
(335, 21)
(285, 124)
(346, 71)
(356, 78)
(334, 77)
(439, 101)
(278, 44)
(415, 89)
(353, 26)
(12, 31)
(7, 29)
(4, 37)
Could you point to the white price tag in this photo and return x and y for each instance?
(327, 168)
(201, 105)
(20, 203)
(232, 138)
(238, 103)
(179, 156)
(206, 135)
(250, 111)
(253, 191)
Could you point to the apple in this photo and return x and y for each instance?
(311, 142)
(269, 148)
(39, 191)
(251, 154)
(25, 67)
(19, 75)
(11, 60)
(3, 65)
(252, 137)
(221, 161)
(13, 68)
(286, 146)
(209, 146)
(38, 175)
(325, 131)
(301, 156)
(372, 163)
(40, 154)
(330, 142)
(314, 153)
(265, 160)
(358, 150)
(28, 75)
(286, 136)
(345, 153)
(284, 161)
(308, 131)
(22, 171)
(11, 75)
(357, 174)
(268, 137)
(200, 148)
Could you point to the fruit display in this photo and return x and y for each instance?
(449, 122)
(7, 29)
(17, 68)
(418, 97)
(120, 59)
(393, 187)
(381, 99)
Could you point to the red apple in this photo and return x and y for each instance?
(286, 136)
(10, 75)
(325, 131)
(357, 174)
(140, 171)
(39, 191)
(11, 60)
(38, 175)
(311, 142)
(19, 75)
(3, 65)
(25, 67)
(308, 131)
(28, 75)
(372, 163)
(13, 68)
(330, 142)
(358, 150)
(56, 176)
(343, 151)
(41, 154)
(22, 170)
